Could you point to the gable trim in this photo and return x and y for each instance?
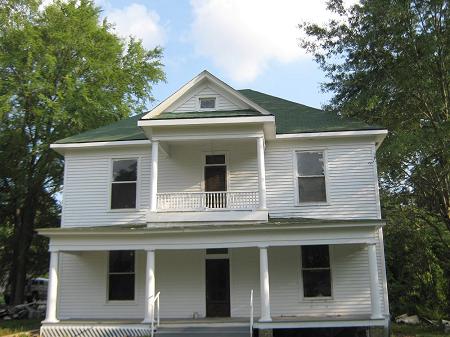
(189, 85)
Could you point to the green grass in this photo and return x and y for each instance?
(400, 330)
(17, 326)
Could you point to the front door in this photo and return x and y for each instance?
(215, 181)
(217, 288)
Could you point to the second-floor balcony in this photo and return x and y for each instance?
(218, 180)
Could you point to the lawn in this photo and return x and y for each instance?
(417, 331)
(16, 326)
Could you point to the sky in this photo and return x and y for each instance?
(246, 43)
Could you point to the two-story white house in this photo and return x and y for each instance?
(219, 208)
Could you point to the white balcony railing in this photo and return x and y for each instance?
(201, 201)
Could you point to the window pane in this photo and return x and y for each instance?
(311, 189)
(215, 159)
(125, 170)
(316, 283)
(315, 256)
(123, 195)
(207, 103)
(121, 261)
(121, 287)
(310, 163)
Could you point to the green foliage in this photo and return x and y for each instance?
(18, 326)
(399, 330)
(62, 71)
(388, 63)
(417, 261)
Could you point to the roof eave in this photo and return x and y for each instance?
(378, 134)
(62, 148)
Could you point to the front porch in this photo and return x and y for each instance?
(265, 259)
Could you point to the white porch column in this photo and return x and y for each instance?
(261, 172)
(264, 279)
(52, 295)
(374, 283)
(149, 286)
(154, 186)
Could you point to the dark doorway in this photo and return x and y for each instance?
(217, 288)
(216, 181)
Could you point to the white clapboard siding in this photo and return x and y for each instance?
(180, 277)
(351, 182)
(83, 288)
(190, 103)
(87, 187)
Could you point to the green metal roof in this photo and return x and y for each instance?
(290, 117)
(207, 114)
(272, 223)
(125, 129)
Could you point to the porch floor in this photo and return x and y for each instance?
(333, 320)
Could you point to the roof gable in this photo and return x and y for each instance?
(190, 103)
(185, 99)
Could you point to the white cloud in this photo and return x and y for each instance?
(243, 36)
(138, 21)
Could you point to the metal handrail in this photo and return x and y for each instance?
(155, 300)
(251, 313)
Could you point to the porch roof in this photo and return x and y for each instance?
(273, 223)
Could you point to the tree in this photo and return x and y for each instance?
(388, 63)
(62, 71)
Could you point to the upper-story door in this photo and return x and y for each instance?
(215, 181)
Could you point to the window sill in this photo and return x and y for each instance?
(309, 204)
(124, 302)
(317, 299)
(123, 210)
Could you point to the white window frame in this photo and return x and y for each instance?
(296, 176)
(199, 105)
(119, 302)
(111, 181)
(302, 297)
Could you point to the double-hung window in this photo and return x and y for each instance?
(124, 183)
(311, 180)
(316, 271)
(121, 275)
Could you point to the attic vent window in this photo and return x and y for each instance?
(207, 103)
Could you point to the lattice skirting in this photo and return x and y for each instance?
(77, 330)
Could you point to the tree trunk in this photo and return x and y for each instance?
(23, 235)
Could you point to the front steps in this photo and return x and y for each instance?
(203, 330)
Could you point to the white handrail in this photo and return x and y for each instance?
(201, 201)
(251, 313)
(155, 300)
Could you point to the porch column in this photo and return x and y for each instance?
(154, 186)
(149, 286)
(52, 295)
(261, 173)
(374, 283)
(264, 279)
